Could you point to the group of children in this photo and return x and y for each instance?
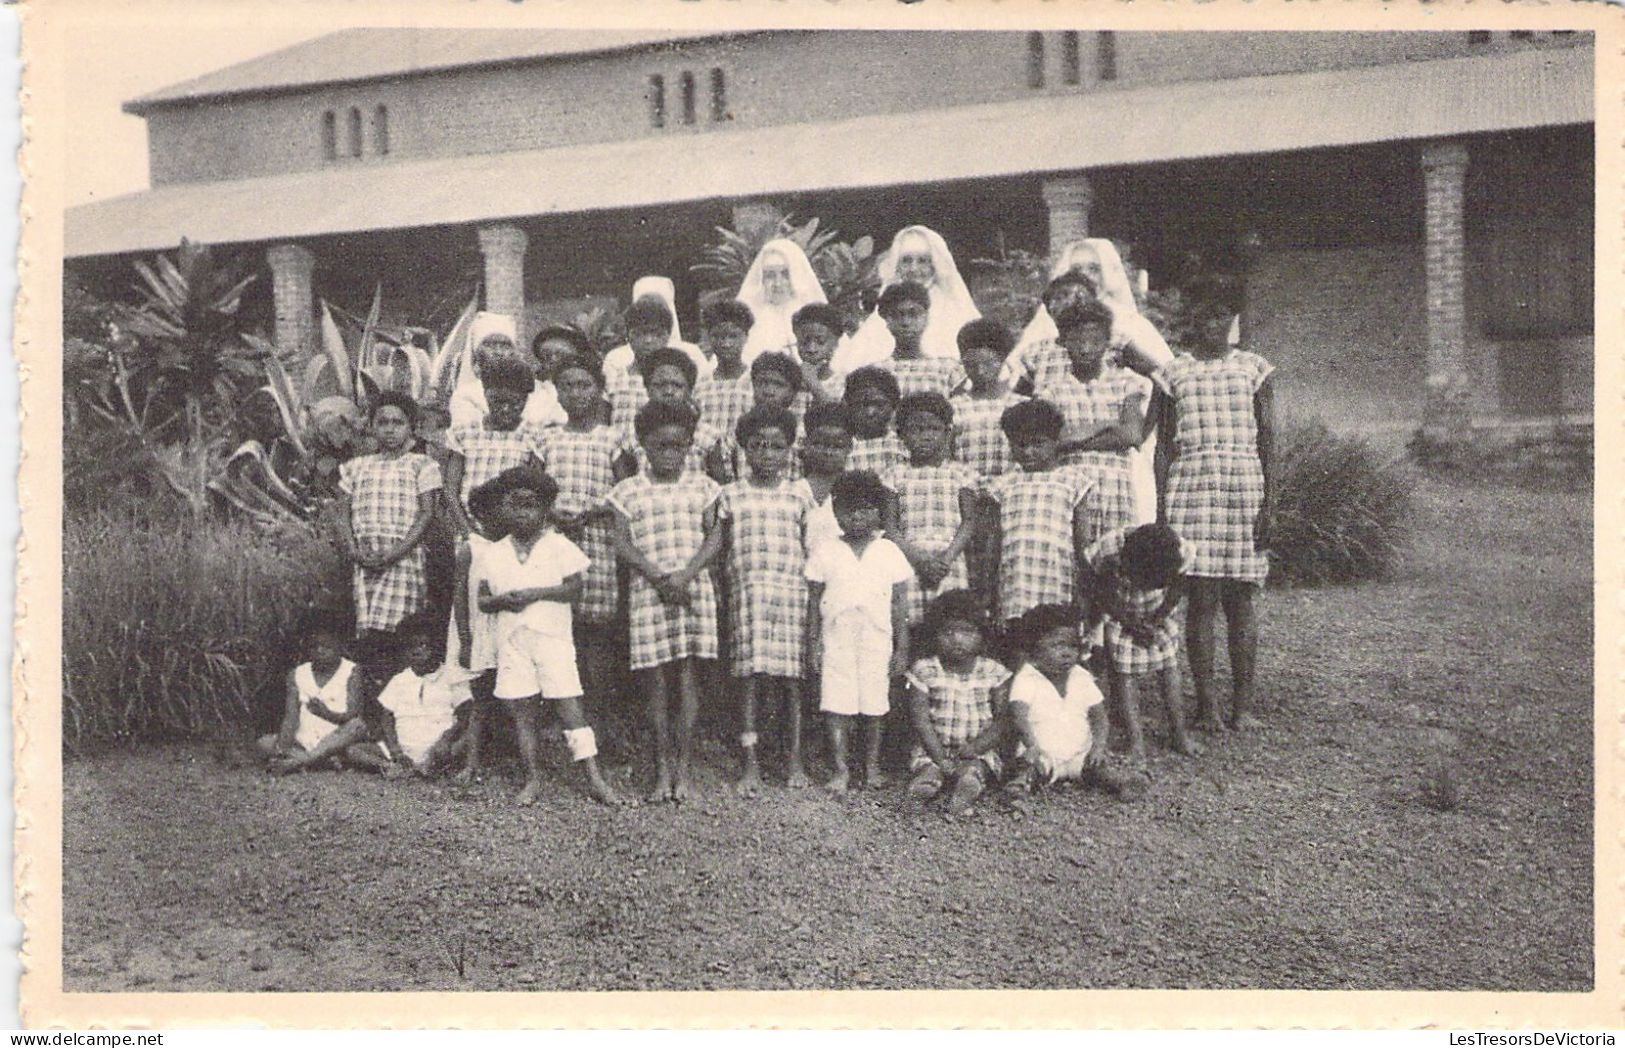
(923, 526)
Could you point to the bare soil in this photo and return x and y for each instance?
(1312, 853)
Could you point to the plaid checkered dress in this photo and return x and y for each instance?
(1085, 405)
(722, 400)
(767, 582)
(626, 395)
(383, 504)
(1048, 362)
(1037, 559)
(1216, 482)
(705, 438)
(925, 374)
(583, 463)
(1127, 655)
(735, 466)
(487, 452)
(877, 454)
(667, 521)
(979, 442)
(928, 508)
(961, 705)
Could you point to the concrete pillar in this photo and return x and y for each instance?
(504, 251)
(1448, 413)
(1068, 199)
(294, 302)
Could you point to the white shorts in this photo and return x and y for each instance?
(531, 663)
(856, 667)
(312, 730)
(418, 734)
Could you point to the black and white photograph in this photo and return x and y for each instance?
(1015, 502)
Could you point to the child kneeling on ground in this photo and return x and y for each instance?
(955, 698)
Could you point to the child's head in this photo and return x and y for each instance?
(326, 632)
(956, 623)
(1033, 428)
(1071, 286)
(666, 432)
(906, 308)
(858, 499)
(827, 441)
(487, 512)
(393, 417)
(727, 324)
(669, 375)
(1048, 636)
(871, 400)
(983, 346)
(1215, 301)
(925, 422)
(579, 381)
(649, 324)
(1152, 557)
(818, 327)
(508, 382)
(1085, 329)
(774, 380)
(523, 497)
(552, 345)
(767, 433)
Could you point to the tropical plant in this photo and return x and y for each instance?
(847, 271)
(1008, 286)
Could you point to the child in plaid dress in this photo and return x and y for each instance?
(979, 441)
(665, 531)
(1046, 515)
(764, 519)
(818, 328)
(500, 441)
(386, 503)
(871, 402)
(955, 698)
(906, 309)
(1105, 408)
(472, 638)
(649, 326)
(1135, 584)
(1220, 429)
(775, 381)
(933, 517)
(670, 375)
(725, 394)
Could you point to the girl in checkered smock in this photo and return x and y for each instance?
(979, 442)
(933, 516)
(670, 375)
(1220, 489)
(818, 329)
(871, 402)
(665, 532)
(1134, 582)
(387, 501)
(1105, 408)
(956, 695)
(764, 518)
(501, 440)
(725, 394)
(906, 309)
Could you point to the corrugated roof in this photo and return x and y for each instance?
(1417, 100)
(368, 54)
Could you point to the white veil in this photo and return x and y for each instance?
(951, 306)
(772, 330)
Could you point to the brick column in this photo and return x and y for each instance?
(504, 251)
(1448, 412)
(1069, 200)
(295, 305)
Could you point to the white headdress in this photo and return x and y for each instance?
(951, 305)
(772, 329)
(663, 289)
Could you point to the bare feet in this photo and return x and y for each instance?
(750, 783)
(797, 779)
(1188, 746)
(468, 777)
(873, 778)
(662, 791)
(838, 782)
(1210, 723)
(1245, 722)
(603, 794)
(680, 789)
(528, 795)
(966, 790)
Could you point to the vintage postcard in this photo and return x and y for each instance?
(820, 514)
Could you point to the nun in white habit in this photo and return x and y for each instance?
(921, 255)
(780, 281)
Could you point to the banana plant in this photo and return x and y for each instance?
(847, 271)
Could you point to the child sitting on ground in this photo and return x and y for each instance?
(1056, 711)
(1135, 584)
(530, 579)
(956, 696)
(321, 720)
(417, 710)
(857, 621)
(818, 327)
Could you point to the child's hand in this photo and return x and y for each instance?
(673, 589)
(932, 570)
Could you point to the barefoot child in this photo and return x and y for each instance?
(530, 580)
(764, 519)
(665, 532)
(725, 394)
(500, 441)
(956, 695)
(871, 402)
(321, 719)
(906, 309)
(818, 328)
(1135, 584)
(857, 621)
(418, 706)
(933, 516)
(825, 447)
(979, 443)
(1220, 430)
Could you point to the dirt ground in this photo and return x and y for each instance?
(1303, 855)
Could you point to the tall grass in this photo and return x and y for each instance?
(176, 628)
(1342, 507)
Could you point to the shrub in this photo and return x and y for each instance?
(176, 627)
(1342, 508)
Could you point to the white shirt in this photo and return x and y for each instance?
(435, 697)
(551, 560)
(863, 584)
(620, 358)
(1060, 723)
(822, 526)
(542, 408)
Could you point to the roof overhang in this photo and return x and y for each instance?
(1418, 100)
